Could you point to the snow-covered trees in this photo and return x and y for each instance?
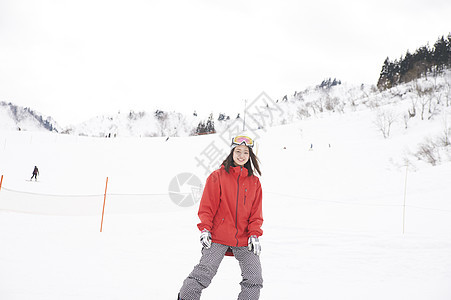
(384, 120)
(206, 127)
(412, 66)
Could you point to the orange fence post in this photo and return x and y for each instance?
(104, 200)
(1, 181)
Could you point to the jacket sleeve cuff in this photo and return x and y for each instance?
(203, 226)
(257, 233)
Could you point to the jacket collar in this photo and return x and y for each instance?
(242, 171)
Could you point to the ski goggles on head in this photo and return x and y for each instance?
(242, 140)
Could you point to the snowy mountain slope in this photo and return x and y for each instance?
(265, 111)
(333, 191)
(13, 117)
(420, 99)
(141, 124)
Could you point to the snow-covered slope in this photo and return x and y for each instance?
(334, 191)
(141, 124)
(13, 117)
(422, 99)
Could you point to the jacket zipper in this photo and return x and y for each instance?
(236, 211)
(245, 192)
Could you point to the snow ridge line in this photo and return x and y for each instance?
(357, 204)
(280, 194)
(81, 195)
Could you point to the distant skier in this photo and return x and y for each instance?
(230, 214)
(35, 174)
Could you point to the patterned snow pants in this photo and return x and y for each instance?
(204, 272)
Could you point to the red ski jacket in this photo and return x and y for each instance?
(231, 206)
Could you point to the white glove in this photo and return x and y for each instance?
(254, 244)
(205, 238)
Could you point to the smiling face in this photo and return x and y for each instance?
(240, 155)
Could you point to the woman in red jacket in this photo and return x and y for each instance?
(230, 214)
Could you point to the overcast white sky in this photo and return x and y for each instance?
(75, 59)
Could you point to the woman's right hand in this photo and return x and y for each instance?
(205, 238)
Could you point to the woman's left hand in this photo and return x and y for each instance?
(254, 244)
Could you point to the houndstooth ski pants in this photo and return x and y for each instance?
(204, 272)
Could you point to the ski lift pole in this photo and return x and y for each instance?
(104, 200)
(404, 206)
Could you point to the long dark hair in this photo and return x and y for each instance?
(228, 162)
